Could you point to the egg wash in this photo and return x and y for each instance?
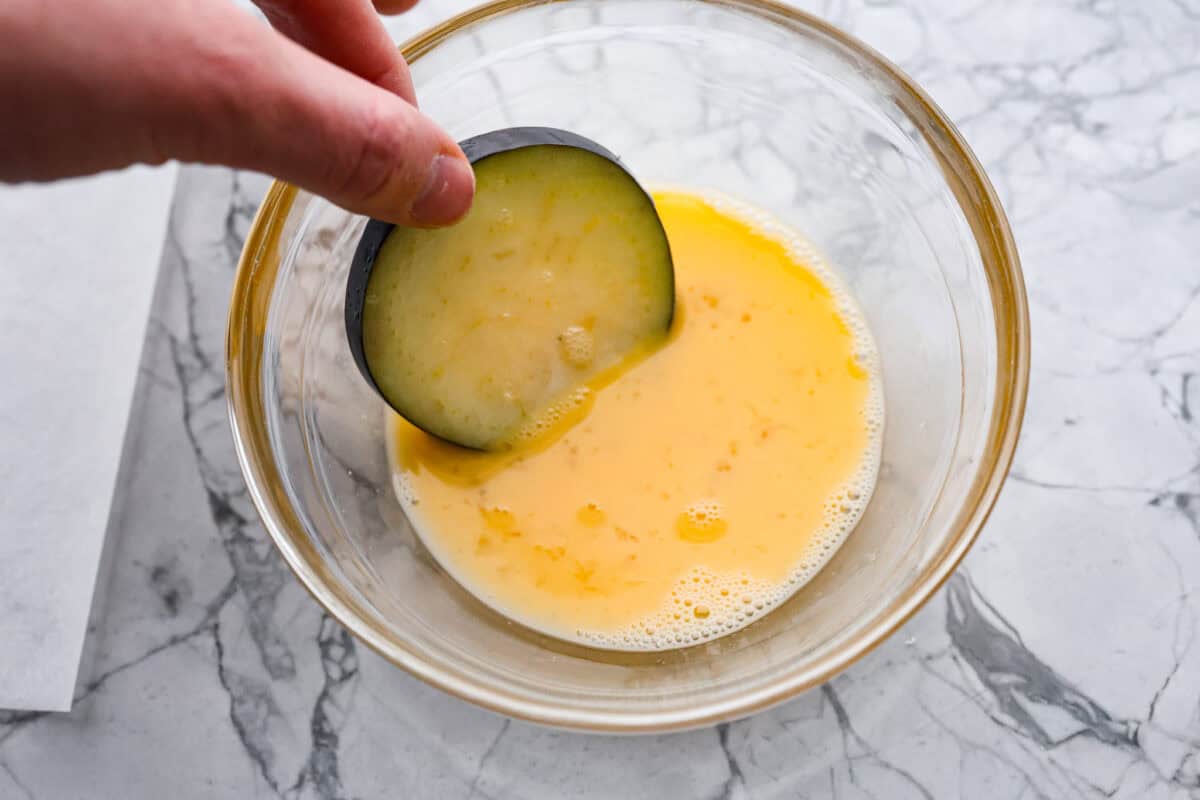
(685, 494)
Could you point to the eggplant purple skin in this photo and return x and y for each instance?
(476, 149)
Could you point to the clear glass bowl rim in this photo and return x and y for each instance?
(254, 282)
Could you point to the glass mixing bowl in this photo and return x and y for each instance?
(746, 97)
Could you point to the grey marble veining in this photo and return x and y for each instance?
(1060, 662)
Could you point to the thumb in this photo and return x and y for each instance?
(282, 110)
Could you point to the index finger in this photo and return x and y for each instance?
(348, 33)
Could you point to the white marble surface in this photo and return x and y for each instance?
(80, 259)
(1060, 662)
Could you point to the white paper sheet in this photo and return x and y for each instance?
(78, 263)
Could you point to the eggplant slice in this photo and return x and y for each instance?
(560, 271)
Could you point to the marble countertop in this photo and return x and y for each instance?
(1059, 662)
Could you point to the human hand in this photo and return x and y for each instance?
(89, 85)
